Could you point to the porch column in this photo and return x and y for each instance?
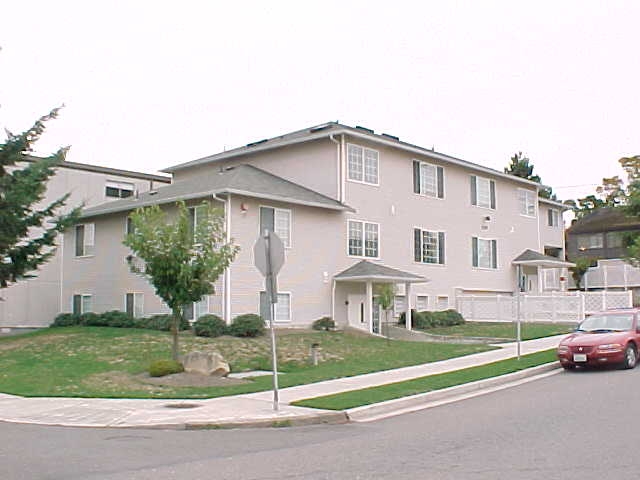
(407, 303)
(368, 305)
(540, 281)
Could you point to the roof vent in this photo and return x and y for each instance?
(388, 135)
(253, 144)
(319, 128)
(365, 129)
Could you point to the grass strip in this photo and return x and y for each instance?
(368, 396)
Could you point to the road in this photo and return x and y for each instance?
(573, 425)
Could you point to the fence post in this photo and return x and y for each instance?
(581, 298)
(553, 308)
(604, 296)
(524, 307)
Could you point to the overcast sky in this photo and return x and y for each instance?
(151, 84)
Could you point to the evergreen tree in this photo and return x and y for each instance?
(28, 230)
(520, 167)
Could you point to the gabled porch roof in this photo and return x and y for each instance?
(536, 259)
(366, 271)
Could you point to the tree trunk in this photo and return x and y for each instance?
(175, 323)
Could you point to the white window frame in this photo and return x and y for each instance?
(439, 261)
(490, 267)
(83, 297)
(363, 224)
(201, 307)
(555, 217)
(590, 237)
(121, 187)
(486, 203)
(360, 176)
(89, 240)
(426, 302)
(423, 191)
(278, 212)
(551, 278)
(617, 237)
(289, 310)
(527, 202)
(399, 304)
(439, 299)
(138, 303)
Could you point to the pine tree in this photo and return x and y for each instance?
(28, 231)
(520, 167)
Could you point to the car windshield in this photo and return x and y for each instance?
(607, 323)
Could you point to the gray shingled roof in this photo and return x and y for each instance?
(244, 180)
(537, 259)
(604, 220)
(366, 270)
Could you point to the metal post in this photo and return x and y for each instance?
(518, 326)
(274, 359)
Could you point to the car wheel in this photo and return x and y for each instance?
(630, 356)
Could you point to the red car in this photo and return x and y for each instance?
(608, 337)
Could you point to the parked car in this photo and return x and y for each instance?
(608, 337)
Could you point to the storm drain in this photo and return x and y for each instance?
(182, 405)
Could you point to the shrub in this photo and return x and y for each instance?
(402, 320)
(91, 319)
(247, 325)
(66, 320)
(209, 326)
(118, 319)
(428, 319)
(160, 368)
(160, 322)
(324, 323)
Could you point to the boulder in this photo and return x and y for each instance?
(205, 363)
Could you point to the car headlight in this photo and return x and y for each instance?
(563, 349)
(610, 347)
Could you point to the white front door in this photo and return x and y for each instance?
(355, 311)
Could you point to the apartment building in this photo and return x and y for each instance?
(35, 302)
(354, 209)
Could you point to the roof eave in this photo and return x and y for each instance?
(385, 278)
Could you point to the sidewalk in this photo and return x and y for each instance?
(249, 410)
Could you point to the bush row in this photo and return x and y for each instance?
(248, 325)
(427, 319)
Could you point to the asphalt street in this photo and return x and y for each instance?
(571, 425)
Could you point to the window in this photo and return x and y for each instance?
(590, 241)
(197, 215)
(118, 189)
(614, 240)
(283, 307)
(128, 226)
(428, 246)
(484, 253)
(526, 202)
(134, 304)
(193, 311)
(363, 239)
(81, 304)
(188, 311)
(553, 217)
(483, 192)
(442, 302)
(551, 277)
(422, 303)
(276, 220)
(362, 164)
(398, 305)
(428, 179)
(84, 238)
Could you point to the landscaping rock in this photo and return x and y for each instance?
(205, 363)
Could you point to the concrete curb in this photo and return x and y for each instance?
(425, 400)
(324, 418)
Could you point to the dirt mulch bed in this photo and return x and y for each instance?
(190, 380)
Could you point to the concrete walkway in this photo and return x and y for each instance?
(250, 410)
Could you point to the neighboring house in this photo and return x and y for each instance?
(599, 235)
(35, 302)
(354, 209)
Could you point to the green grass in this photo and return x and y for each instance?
(503, 330)
(105, 362)
(367, 396)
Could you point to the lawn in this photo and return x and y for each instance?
(368, 396)
(505, 330)
(110, 362)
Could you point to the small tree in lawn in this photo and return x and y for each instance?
(181, 260)
(578, 272)
(28, 232)
(386, 295)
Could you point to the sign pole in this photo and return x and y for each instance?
(518, 326)
(273, 298)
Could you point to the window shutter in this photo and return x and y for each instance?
(474, 251)
(494, 253)
(79, 240)
(441, 248)
(550, 217)
(77, 304)
(492, 186)
(416, 176)
(440, 171)
(474, 193)
(129, 304)
(267, 220)
(417, 244)
(265, 308)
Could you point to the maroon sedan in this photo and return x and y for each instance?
(608, 337)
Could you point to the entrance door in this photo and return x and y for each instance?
(355, 311)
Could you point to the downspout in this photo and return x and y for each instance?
(339, 168)
(226, 293)
(343, 168)
(61, 248)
